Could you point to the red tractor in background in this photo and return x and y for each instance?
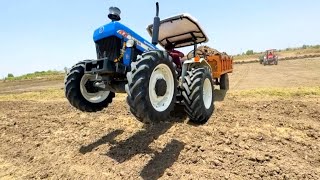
(269, 57)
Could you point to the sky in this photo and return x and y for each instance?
(38, 35)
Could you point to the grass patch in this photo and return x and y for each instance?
(279, 92)
(244, 57)
(45, 95)
(50, 75)
(58, 94)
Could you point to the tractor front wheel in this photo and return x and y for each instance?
(82, 94)
(152, 87)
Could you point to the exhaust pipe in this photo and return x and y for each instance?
(156, 26)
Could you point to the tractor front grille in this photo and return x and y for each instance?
(108, 48)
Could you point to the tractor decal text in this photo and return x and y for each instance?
(128, 36)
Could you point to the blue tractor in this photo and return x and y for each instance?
(156, 81)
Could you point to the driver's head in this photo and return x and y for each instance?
(169, 46)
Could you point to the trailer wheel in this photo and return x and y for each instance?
(152, 87)
(224, 82)
(198, 95)
(81, 93)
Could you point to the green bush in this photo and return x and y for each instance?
(249, 52)
(316, 46)
(51, 74)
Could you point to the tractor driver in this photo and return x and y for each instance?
(270, 55)
(176, 55)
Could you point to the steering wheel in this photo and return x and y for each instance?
(190, 54)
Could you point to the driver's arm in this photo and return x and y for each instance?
(177, 53)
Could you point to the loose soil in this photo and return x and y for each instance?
(246, 138)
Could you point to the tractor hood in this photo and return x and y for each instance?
(182, 30)
(121, 31)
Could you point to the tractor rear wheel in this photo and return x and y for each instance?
(152, 87)
(198, 95)
(224, 82)
(81, 93)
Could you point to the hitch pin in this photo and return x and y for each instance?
(97, 77)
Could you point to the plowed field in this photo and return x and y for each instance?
(266, 127)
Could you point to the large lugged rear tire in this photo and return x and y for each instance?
(81, 93)
(152, 87)
(224, 82)
(198, 95)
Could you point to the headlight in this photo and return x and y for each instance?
(130, 43)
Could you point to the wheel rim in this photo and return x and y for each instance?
(97, 97)
(207, 93)
(161, 72)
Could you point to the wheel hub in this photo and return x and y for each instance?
(90, 92)
(90, 87)
(161, 87)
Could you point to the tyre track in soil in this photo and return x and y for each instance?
(243, 73)
(244, 139)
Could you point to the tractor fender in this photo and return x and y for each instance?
(190, 63)
(194, 61)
